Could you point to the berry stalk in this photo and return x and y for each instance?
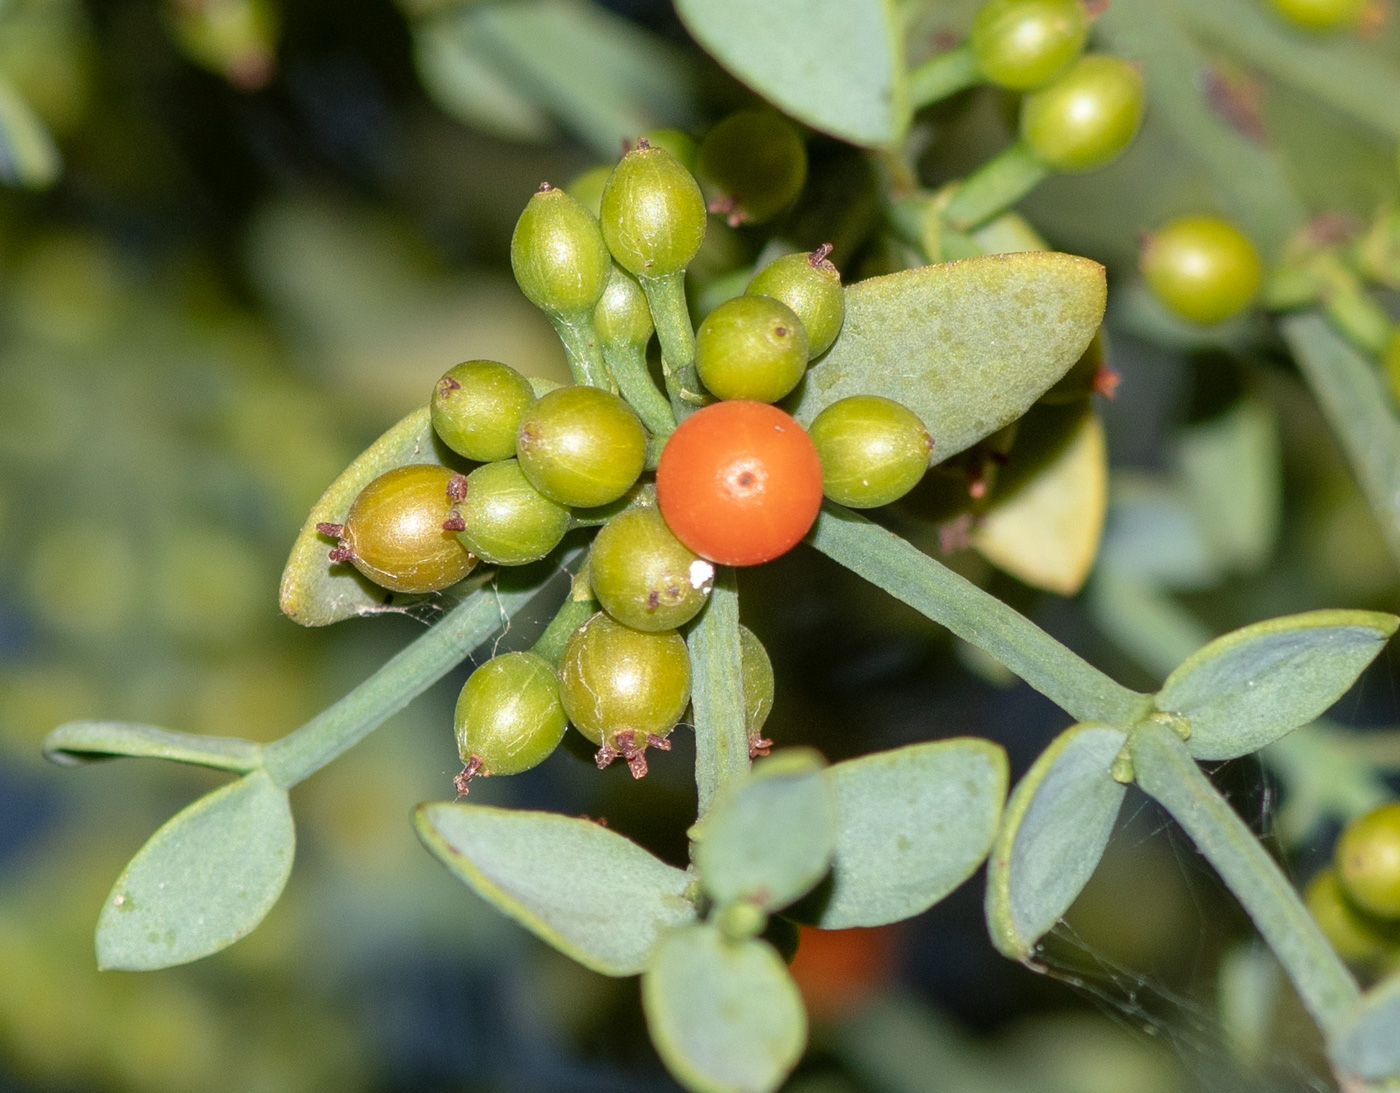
(628, 364)
(995, 186)
(671, 314)
(942, 75)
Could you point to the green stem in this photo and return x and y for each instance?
(1166, 772)
(671, 316)
(995, 186)
(891, 563)
(717, 693)
(1352, 310)
(628, 364)
(942, 75)
(402, 679)
(582, 347)
(1354, 399)
(571, 615)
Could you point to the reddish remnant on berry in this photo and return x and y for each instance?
(454, 521)
(759, 745)
(457, 487)
(463, 781)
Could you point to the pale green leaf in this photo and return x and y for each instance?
(592, 894)
(724, 1015)
(1368, 1048)
(1248, 688)
(834, 64)
(28, 156)
(470, 86)
(1152, 535)
(913, 824)
(87, 741)
(1052, 835)
(769, 838)
(968, 346)
(203, 881)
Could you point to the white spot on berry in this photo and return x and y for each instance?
(702, 573)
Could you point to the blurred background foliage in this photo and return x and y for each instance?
(239, 241)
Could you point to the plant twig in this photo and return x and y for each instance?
(670, 314)
(942, 75)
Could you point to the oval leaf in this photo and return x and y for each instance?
(1254, 685)
(592, 894)
(1369, 1047)
(769, 838)
(724, 1015)
(203, 880)
(913, 824)
(316, 592)
(834, 64)
(469, 86)
(1052, 836)
(968, 346)
(88, 741)
(28, 156)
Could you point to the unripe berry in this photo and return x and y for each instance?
(508, 717)
(558, 254)
(757, 162)
(1368, 861)
(653, 215)
(751, 347)
(477, 407)
(1358, 938)
(1203, 269)
(587, 188)
(643, 576)
(622, 316)
(1021, 44)
(504, 520)
(811, 286)
(581, 446)
(1321, 14)
(873, 450)
(1084, 119)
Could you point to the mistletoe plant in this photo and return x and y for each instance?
(628, 507)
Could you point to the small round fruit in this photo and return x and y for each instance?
(394, 535)
(810, 285)
(643, 576)
(751, 347)
(1021, 44)
(581, 446)
(1321, 14)
(621, 686)
(477, 407)
(506, 521)
(558, 254)
(1357, 937)
(1368, 861)
(509, 716)
(757, 161)
(739, 482)
(587, 188)
(873, 450)
(1203, 269)
(1087, 117)
(622, 316)
(758, 680)
(676, 141)
(653, 214)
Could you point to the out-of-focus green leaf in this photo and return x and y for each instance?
(836, 65)
(724, 1015)
(1369, 1047)
(1152, 535)
(592, 894)
(1248, 688)
(769, 838)
(968, 346)
(1144, 621)
(1230, 467)
(88, 741)
(913, 824)
(203, 881)
(28, 156)
(1052, 835)
(470, 87)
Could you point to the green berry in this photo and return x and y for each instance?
(643, 576)
(751, 347)
(624, 689)
(653, 215)
(509, 716)
(1368, 861)
(1084, 119)
(1021, 44)
(557, 252)
(587, 188)
(810, 285)
(1321, 14)
(676, 141)
(622, 316)
(873, 450)
(506, 521)
(757, 162)
(1357, 937)
(1203, 269)
(581, 446)
(758, 681)
(393, 533)
(477, 407)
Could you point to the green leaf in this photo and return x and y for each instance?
(1368, 1048)
(1153, 536)
(769, 838)
(203, 881)
(1052, 836)
(834, 64)
(28, 156)
(316, 592)
(968, 346)
(470, 86)
(724, 1015)
(1248, 688)
(592, 894)
(88, 741)
(717, 692)
(913, 824)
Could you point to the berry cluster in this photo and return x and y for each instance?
(1356, 900)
